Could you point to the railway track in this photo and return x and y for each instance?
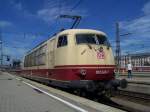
(140, 96)
(124, 100)
(132, 101)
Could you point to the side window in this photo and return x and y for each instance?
(62, 41)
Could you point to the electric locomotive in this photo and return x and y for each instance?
(76, 59)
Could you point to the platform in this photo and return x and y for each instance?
(143, 78)
(20, 95)
(138, 83)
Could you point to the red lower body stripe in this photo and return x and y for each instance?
(62, 66)
(74, 73)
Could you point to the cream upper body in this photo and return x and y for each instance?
(72, 47)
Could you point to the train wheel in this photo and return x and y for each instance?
(77, 92)
(109, 92)
(80, 92)
(83, 93)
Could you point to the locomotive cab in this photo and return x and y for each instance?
(85, 52)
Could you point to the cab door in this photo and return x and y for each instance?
(61, 50)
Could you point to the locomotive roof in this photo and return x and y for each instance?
(67, 31)
(81, 31)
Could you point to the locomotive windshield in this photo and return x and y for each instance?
(102, 40)
(92, 39)
(85, 38)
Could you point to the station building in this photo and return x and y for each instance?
(140, 61)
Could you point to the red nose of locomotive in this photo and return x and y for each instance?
(96, 72)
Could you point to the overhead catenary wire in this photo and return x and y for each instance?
(59, 12)
(27, 33)
(1, 48)
(76, 5)
(16, 47)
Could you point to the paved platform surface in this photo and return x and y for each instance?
(16, 96)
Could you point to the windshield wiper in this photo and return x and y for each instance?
(90, 47)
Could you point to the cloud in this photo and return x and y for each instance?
(146, 8)
(140, 31)
(10, 51)
(139, 26)
(48, 15)
(17, 45)
(52, 11)
(4, 24)
(16, 5)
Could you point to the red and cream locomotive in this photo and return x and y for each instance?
(75, 59)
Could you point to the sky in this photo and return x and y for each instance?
(26, 23)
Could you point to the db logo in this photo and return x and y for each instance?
(100, 55)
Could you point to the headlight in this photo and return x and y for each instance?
(83, 72)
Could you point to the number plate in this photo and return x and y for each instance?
(102, 71)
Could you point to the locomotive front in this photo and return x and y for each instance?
(89, 53)
(94, 54)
